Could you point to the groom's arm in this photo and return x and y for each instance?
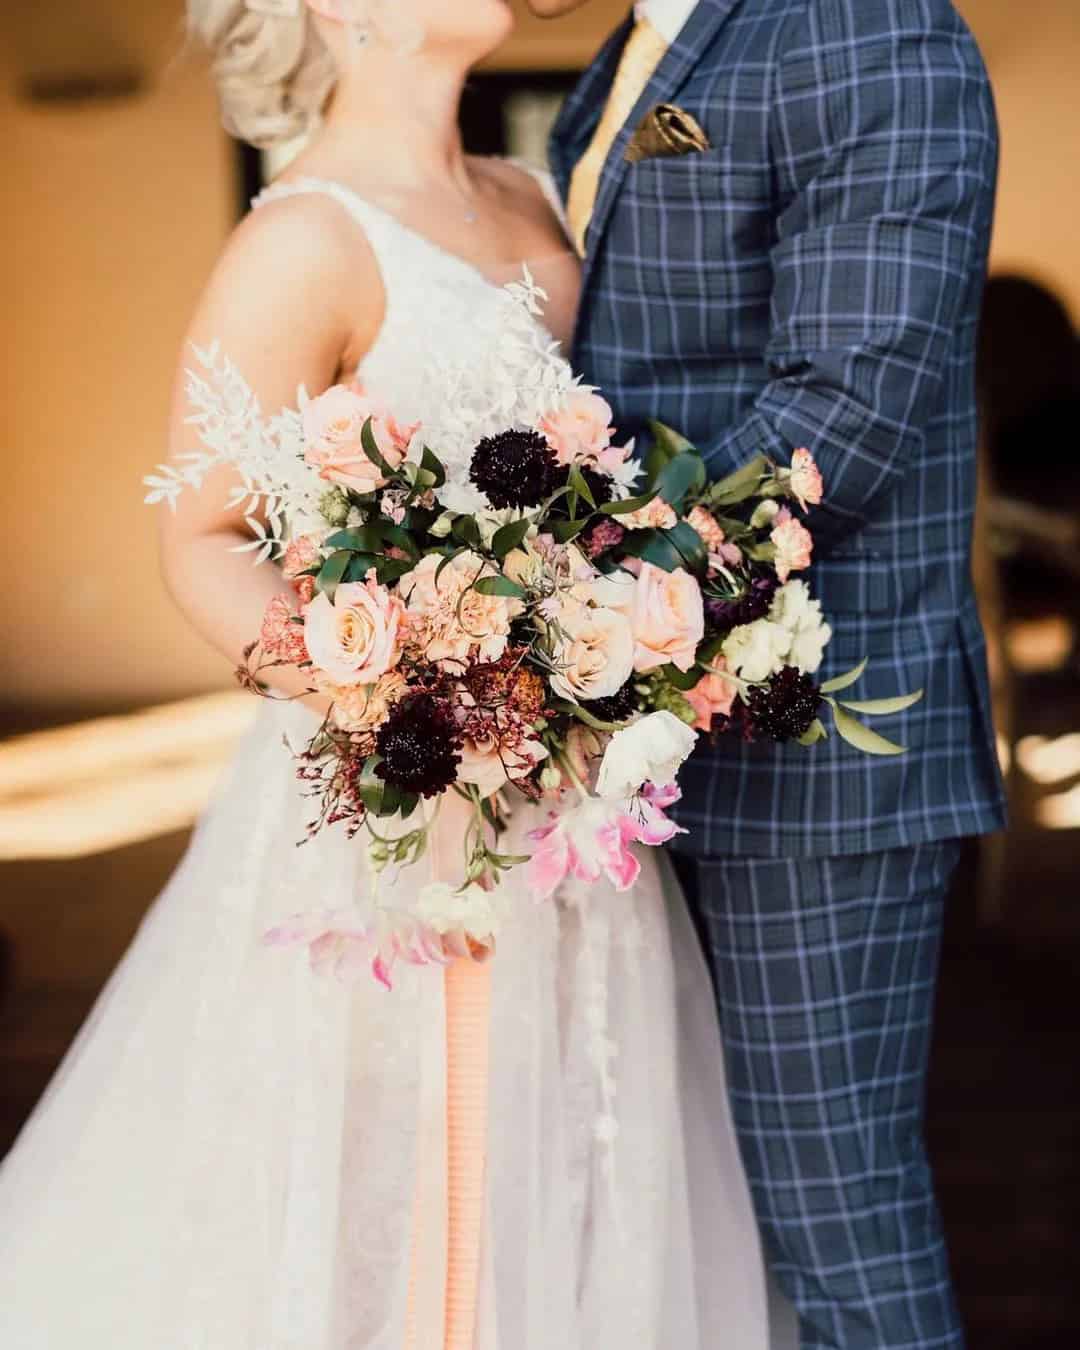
(885, 143)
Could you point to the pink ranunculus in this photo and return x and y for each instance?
(805, 481)
(581, 429)
(356, 638)
(793, 542)
(333, 426)
(281, 637)
(712, 696)
(668, 619)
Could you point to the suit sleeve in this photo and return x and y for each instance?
(884, 143)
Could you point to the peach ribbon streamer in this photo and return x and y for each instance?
(444, 1276)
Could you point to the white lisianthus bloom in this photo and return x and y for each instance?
(794, 608)
(754, 651)
(651, 750)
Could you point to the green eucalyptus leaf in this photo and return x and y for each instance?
(583, 715)
(389, 570)
(845, 681)
(814, 733)
(578, 483)
(680, 477)
(627, 505)
(360, 539)
(653, 546)
(668, 441)
(466, 529)
(510, 536)
(564, 531)
(433, 465)
(499, 586)
(331, 573)
(683, 679)
(861, 737)
(879, 707)
(690, 545)
(359, 566)
(398, 537)
(371, 449)
(741, 484)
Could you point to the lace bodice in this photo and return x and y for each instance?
(457, 352)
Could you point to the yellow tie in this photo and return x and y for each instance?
(644, 50)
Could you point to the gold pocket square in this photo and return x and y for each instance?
(666, 130)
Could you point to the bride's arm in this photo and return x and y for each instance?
(296, 299)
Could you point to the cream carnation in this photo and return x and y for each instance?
(654, 515)
(449, 618)
(651, 750)
(356, 638)
(794, 609)
(668, 619)
(754, 651)
(793, 543)
(363, 707)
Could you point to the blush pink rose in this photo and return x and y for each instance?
(357, 637)
(793, 542)
(711, 697)
(333, 426)
(580, 430)
(668, 618)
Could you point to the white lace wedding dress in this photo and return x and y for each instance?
(229, 1157)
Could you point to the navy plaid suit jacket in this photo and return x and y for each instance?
(814, 279)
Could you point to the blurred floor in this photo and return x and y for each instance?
(1005, 1094)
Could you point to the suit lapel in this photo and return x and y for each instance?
(672, 73)
(581, 112)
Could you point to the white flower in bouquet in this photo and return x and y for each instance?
(471, 910)
(754, 651)
(593, 652)
(651, 750)
(795, 609)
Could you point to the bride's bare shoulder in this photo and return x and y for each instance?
(297, 259)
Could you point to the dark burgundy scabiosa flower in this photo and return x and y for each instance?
(515, 468)
(783, 709)
(617, 707)
(419, 745)
(753, 605)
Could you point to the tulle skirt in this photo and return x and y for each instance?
(236, 1155)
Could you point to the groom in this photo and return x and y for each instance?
(795, 257)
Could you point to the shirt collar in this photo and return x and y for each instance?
(666, 16)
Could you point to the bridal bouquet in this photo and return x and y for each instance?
(540, 616)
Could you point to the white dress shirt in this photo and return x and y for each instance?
(666, 16)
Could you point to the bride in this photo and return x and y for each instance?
(532, 1154)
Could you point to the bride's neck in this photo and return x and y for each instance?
(402, 123)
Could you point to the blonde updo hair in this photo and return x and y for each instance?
(274, 73)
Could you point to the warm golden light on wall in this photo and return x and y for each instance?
(115, 781)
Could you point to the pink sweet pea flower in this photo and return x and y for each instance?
(592, 840)
(341, 944)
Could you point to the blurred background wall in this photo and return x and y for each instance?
(118, 191)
